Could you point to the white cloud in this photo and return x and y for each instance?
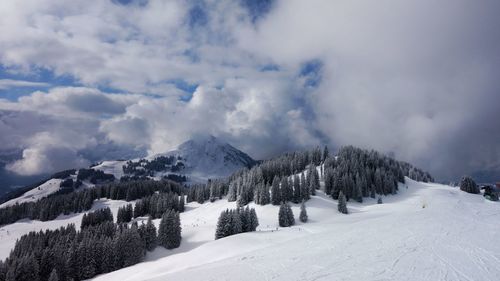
(11, 83)
(416, 78)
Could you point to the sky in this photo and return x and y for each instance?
(85, 81)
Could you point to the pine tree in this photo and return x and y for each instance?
(181, 207)
(313, 178)
(304, 188)
(169, 232)
(254, 221)
(148, 235)
(379, 201)
(125, 214)
(468, 185)
(265, 196)
(286, 191)
(223, 221)
(275, 192)
(285, 215)
(342, 204)
(231, 196)
(329, 177)
(303, 213)
(129, 247)
(3, 270)
(297, 196)
(53, 275)
(326, 154)
(235, 222)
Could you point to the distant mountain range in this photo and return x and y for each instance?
(193, 161)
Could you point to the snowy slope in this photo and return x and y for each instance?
(111, 167)
(36, 193)
(10, 233)
(453, 238)
(203, 157)
(49, 187)
(209, 157)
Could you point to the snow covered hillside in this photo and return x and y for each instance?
(425, 232)
(198, 159)
(11, 232)
(208, 156)
(36, 193)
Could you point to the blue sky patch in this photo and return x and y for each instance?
(270, 67)
(257, 8)
(39, 75)
(311, 71)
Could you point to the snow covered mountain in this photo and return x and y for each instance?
(197, 159)
(210, 157)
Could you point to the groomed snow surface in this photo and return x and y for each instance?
(36, 193)
(455, 237)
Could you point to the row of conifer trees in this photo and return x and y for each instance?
(68, 254)
(52, 206)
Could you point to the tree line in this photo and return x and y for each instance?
(359, 173)
(236, 221)
(51, 207)
(68, 254)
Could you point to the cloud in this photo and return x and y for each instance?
(44, 158)
(416, 79)
(10, 83)
(60, 129)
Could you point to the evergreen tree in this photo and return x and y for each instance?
(235, 222)
(265, 196)
(297, 196)
(182, 199)
(254, 221)
(342, 204)
(468, 185)
(286, 191)
(304, 188)
(303, 213)
(313, 179)
(231, 197)
(169, 232)
(326, 154)
(329, 180)
(285, 215)
(275, 192)
(148, 235)
(379, 201)
(125, 214)
(53, 275)
(223, 221)
(3, 270)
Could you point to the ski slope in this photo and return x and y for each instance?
(426, 232)
(453, 238)
(36, 193)
(11, 232)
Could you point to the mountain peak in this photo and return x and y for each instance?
(201, 139)
(206, 156)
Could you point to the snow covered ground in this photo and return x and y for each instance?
(10, 233)
(36, 193)
(111, 167)
(453, 238)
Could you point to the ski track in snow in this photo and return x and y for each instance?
(452, 238)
